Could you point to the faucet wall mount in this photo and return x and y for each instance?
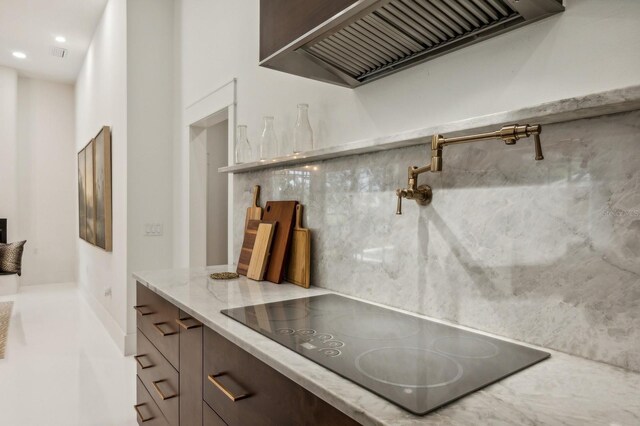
(508, 134)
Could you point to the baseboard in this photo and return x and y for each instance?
(130, 341)
(124, 341)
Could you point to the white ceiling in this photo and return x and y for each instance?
(30, 26)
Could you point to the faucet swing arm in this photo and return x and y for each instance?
(508, 134)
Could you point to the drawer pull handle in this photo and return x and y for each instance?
(162, 395)
(142, 419)
(139, 310)
(227, 392)
(193, 323)
(161, 331)
(137, 358)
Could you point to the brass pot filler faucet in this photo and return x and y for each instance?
(422, 194)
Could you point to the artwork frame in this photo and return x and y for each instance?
(95, 222)
(89, 193)
(82, 204)
(102, 188)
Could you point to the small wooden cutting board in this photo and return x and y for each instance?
(299, 270)
(254, 212)
(282, 212)
(261, 251)
(247, 246)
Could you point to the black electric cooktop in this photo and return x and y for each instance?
(417, 364)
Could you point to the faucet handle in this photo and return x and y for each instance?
(401, 193)
(538, 147)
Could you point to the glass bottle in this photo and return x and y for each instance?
(302, 133)
(268, 140)
(244, 153)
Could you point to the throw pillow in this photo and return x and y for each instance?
(11, 258)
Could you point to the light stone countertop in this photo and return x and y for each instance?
(563, 390)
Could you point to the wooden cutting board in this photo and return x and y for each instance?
(282, 212)
(247, 246)
(261, 251)
(254, 212)
(299, 269)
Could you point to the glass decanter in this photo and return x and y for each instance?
(244, 153)
(302, 133)
(268, 140)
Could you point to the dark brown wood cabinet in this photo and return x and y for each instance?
(157, 321)
(191, 407)
(210, 417)
(158, 358)
(245, 391)
(149, 413)
(196, 377)
(159, 377)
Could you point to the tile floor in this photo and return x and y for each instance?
(61, 368)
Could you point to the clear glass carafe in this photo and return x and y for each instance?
(268, 140)
(302, 133)
(244, 153)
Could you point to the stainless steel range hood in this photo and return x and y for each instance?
(373, 38)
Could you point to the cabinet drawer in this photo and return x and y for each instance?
(157, 320)
(190, 371)
(210, 417)
(160, 378)
(245, 391)
(148, 412)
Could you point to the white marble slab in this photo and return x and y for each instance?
(546, 252)
(564, 390)
(593, 105)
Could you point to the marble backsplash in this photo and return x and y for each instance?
(546, 252)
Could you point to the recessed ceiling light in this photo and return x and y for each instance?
(19, 55)
(61, 39)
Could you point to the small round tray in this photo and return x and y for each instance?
(224, 276)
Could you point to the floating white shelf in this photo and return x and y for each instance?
(611, 102)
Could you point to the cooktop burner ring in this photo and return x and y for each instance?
(455, 370)
(454, 346)
(324, 336)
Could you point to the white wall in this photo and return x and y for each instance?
(126, 82)
(150, 136)
(101, 99)
(46, 184)
(9, 150)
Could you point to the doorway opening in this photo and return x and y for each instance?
(209, 191)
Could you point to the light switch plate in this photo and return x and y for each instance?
(153, 229)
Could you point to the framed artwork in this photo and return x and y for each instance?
(102, 188)
(82, 206)
(94, 191)
(89, 193)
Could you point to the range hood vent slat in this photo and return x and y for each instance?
(464, 13)
(452, 14)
